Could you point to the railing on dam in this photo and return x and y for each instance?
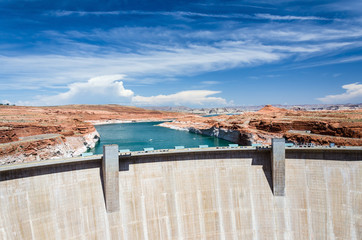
(99, 157)
(112, 161)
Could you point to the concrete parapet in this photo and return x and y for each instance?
(278, 166)
(110, 168)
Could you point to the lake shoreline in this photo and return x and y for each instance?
(118, 121)
(136, 136)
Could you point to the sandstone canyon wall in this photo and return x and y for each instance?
(38, 133)
(344, 128)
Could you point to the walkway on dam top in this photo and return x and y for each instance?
(177, 150)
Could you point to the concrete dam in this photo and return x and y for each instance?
(211, 193)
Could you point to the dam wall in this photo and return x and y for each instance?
(190, 194)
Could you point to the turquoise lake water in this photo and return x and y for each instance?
(136, 136)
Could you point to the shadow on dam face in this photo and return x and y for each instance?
(24, 173)
(192, 195)
(260, 158)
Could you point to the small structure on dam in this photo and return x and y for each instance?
(204, 193)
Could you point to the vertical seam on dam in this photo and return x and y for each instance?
(144, 217)
(309, 212)
(330, 228)
(178, 218)
(253, 220)
(218, 200)
(232, 214)
(352, 220)
(201, 213)
(31, 222)
(167, 219)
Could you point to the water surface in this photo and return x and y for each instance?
(137, 136)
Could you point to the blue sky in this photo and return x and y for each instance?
(189, 53)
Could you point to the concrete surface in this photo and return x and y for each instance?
(278, 166)
(110, 177)
(208, 194)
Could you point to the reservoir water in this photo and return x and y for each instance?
(136, 136)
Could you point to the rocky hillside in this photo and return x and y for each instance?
(319, 127)
(240, 109)
(36, 133)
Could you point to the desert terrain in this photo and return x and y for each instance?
(37, 133)
(342, 127)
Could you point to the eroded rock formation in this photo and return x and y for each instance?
(343, 128)
(36, 133)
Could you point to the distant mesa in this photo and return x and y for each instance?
(271, 109)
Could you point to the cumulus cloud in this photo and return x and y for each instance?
(107, 88)
(110, 89)
(353, 94)
(192, 97)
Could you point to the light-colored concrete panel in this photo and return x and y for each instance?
(110, 177)
(195, 196)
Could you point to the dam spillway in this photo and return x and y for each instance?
(188, 194)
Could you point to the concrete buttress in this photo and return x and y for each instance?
(278, 166)
(110, 169)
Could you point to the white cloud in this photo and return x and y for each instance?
(210, 82)
(287, 17)
(171, 61)
(63, 13)
(151, 55)
(192, 97)
(353, 94)
(76, 61)
(5, 102)
(176, 14)
(110, 89)
(184, 14)
(107, 89)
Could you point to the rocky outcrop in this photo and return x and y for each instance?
(319, 127)
(303, 138)
(267, 109)
(351, 130)
(37, 133)
(227, 134)
(80, 145)
(47, 148)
